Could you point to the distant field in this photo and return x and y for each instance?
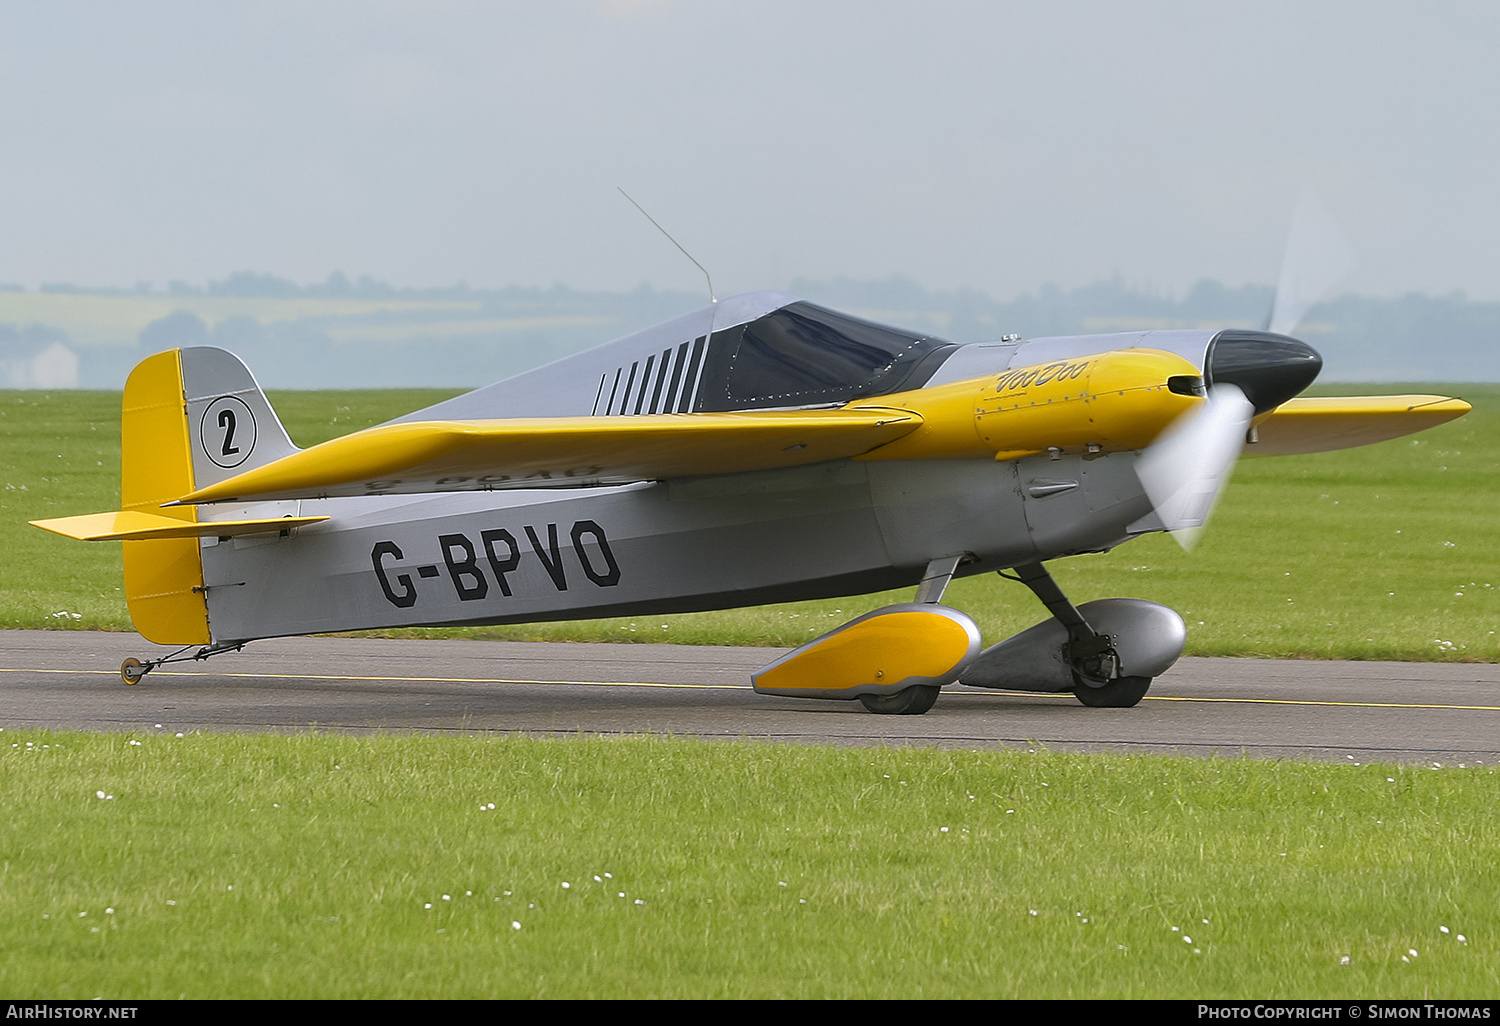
(118, 319)
(1385, 552)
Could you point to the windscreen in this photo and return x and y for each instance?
(802, 355)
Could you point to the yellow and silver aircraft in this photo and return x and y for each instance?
(761, 449)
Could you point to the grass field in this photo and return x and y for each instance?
(154, 866)
(1384, 552)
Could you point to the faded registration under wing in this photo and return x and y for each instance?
(443, 456)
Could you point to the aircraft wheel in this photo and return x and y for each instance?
(131, 671)
(912, 701)
(1121, 693)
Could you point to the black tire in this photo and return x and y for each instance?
(912, 701)
(1121, 693)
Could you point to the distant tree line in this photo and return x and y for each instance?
(487, 334)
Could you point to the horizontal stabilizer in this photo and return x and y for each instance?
(131, 525)
(1342, 422)
(483, 455)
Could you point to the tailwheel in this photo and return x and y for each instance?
(1120, 693)
(912, 701)
(132, 670)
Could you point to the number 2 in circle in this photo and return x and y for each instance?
(226, 421)
(227, 432)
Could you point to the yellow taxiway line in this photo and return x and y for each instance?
(742, 687)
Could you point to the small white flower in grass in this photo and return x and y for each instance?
(1033, 911)
(638, 901)
(1186, 939)
(158, 726)
(134, 743)
(1345, 960)
(566, 885)
(109, 911)
(780, 883)
(447, 897)
(1442, 929)
(598, 879)
(943, 830)
(609, 876)
(82, 915)
(1462, 939)
(171, 902)
(514, 925)
(426, 904)
(622, 894)
(1176, 929)
(1412, 952)
(468, 894)
(98, 794)
(1405, 959)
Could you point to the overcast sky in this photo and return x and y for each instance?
(993, 145)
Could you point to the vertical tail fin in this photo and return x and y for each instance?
(189, 417)
(232, 427)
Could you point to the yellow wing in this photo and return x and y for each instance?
(561, 451)
(1342, 422)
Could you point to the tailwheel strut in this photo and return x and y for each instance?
(132, 669)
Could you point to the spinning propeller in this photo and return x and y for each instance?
(1247, 373)
(1185, 470)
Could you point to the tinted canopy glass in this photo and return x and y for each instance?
(803, 355)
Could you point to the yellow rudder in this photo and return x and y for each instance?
(163, 576)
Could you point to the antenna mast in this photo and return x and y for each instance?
(712, 298)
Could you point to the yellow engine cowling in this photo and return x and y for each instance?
(1110, 402)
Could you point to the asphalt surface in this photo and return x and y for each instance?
(1346, 711)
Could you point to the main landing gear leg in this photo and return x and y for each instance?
(132, 670)
(1095, 663)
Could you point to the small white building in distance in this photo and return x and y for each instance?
(53, 365)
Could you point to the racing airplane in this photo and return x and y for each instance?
(760, 449)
